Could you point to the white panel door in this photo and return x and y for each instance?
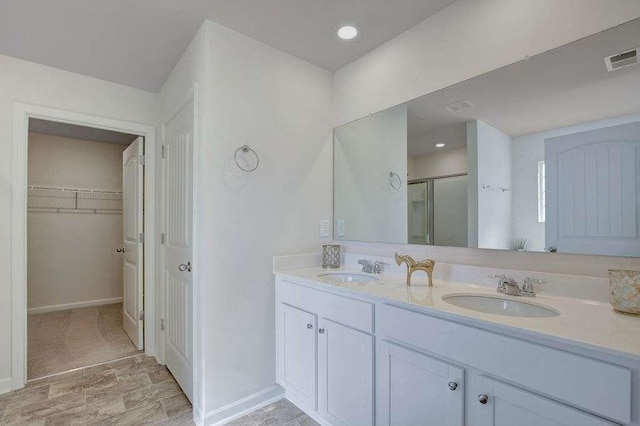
(593, 191)
(132, 218)
(416, 389)
(178, 247)
(345, 374)
(299, 354)
(506, 405)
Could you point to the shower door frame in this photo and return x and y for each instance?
(429, 200)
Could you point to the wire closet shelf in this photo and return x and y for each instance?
(73, 200)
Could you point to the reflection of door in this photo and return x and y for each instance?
(178, 199)
(132, 181)
(593, 190)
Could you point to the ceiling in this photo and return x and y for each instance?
(137, 43)
(79, 132)
(565, 86)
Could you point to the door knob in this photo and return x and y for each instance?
(185, 267)
(483, 398)
(309, 326)
(120, 250)
(321, 331)
(453, 386)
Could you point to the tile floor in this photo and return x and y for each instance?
(130, 391)
(64, 340)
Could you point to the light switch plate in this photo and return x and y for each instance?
(325, 231)
(340, 228)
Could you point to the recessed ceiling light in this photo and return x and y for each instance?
(439, 145)
(347, 32)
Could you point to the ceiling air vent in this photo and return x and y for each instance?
(460, 106)
(621, 60)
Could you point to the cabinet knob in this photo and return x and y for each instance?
(309, 326)
(321, 331)
(453, 386)
(483, 398)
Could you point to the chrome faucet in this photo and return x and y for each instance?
(510, 287)
(371, 268)
(507, 285)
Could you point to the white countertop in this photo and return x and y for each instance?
(587, 323)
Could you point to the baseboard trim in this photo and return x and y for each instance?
(244, 406)
(6, 385)
(76, 305)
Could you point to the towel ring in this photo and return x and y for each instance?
(391, 176)
(246, 149)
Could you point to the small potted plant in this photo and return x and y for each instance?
(519, 244)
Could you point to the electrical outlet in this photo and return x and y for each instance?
(340, 228)
(325, 231)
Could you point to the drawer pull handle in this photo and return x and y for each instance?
(453, 386)
(321, 331)
(309, 326)
(483, 399)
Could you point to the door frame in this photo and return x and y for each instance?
(189, 96)
(22, 112)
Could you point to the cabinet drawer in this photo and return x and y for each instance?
(592, 385)
(344, 310)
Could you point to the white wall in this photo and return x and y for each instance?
(527, 150)
(71, 257)
(22, 81)
(366, 151)
(440, 163)
(492, 160)
(466, 39)
(281, 107)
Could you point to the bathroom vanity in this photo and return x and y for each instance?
(362, 349)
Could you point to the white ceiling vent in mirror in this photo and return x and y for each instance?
(460, 106)
(622, 60)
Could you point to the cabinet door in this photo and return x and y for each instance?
(416, 389)
(345, 374)
(299, 354)
(507, 406)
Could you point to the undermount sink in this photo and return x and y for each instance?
(346, 277)
(500, 306)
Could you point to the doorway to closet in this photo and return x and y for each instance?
(85, 246)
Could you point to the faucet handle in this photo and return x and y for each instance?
(528, 283)
(527, 286)
(378, 267)
(367, 266)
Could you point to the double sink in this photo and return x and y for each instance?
(489, 304)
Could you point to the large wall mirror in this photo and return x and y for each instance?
(541, 155)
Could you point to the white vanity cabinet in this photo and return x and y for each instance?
(351, 360)
(413, 388)
(299, 350)
(325, 354)
(345, 374)
(504, 405)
